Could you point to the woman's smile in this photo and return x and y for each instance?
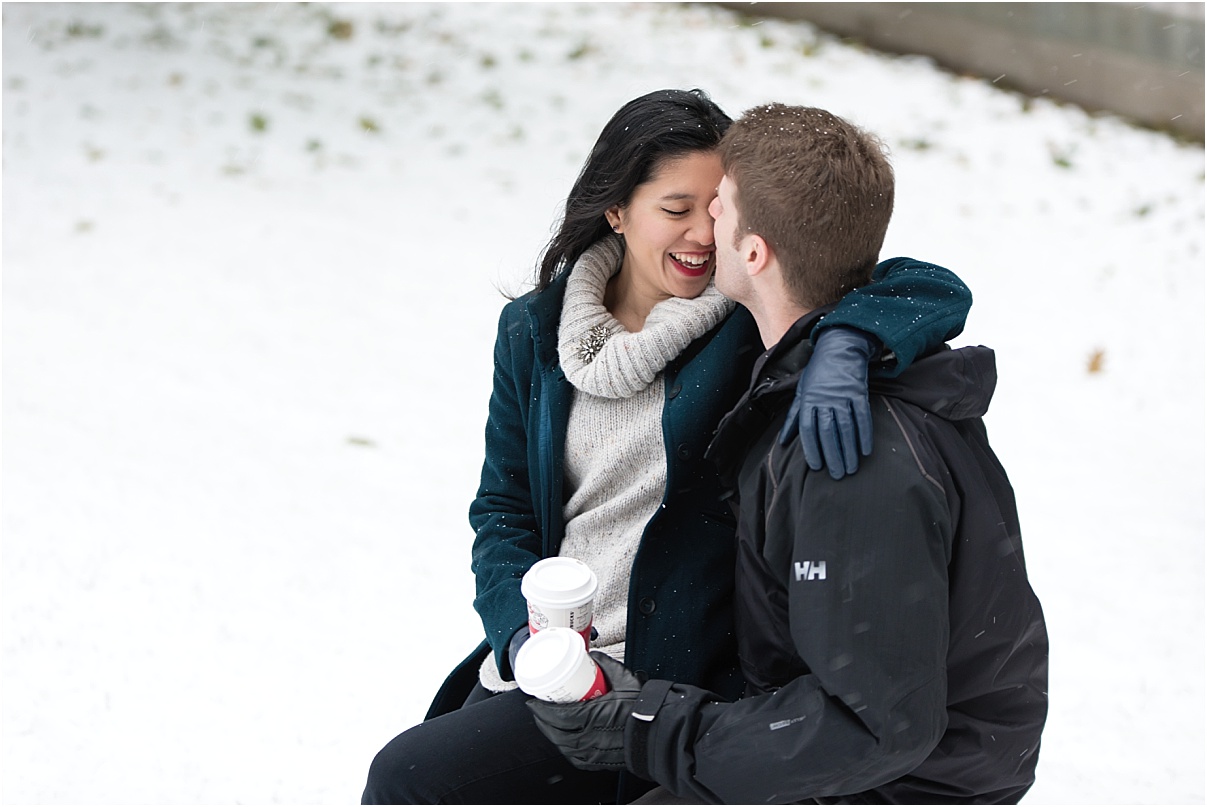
(692, 264)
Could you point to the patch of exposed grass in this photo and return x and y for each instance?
(340, 29)
(79, 30)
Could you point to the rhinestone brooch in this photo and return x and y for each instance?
(590, 345)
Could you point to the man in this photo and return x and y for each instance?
(893, 648)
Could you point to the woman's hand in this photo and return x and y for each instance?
(831, 411)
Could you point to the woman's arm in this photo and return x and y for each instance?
(911, 306)
(506, 534)
(909, 309)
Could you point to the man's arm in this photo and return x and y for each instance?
(866, 574)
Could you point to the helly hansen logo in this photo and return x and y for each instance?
(810, 570)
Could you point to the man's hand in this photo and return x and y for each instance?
(591, 733)
(831, 410)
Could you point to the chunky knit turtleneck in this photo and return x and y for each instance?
(615, 457)
(598, 355)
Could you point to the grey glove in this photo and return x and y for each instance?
(591, 733)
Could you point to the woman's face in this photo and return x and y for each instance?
(667, 228)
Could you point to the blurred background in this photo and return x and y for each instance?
(1141, 60)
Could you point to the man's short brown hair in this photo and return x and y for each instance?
(818, 189)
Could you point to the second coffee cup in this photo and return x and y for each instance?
(554, 666)
(560, 594)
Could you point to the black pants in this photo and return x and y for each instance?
(487, 752)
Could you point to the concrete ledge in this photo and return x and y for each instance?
(1143, 62)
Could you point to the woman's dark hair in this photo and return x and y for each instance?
(643, 134)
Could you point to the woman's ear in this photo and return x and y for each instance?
(612, 214)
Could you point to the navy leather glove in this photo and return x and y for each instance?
(513, 648)
(832, 412)
(591, 733)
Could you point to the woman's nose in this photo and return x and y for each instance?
(701, 229)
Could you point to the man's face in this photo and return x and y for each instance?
(732, 280)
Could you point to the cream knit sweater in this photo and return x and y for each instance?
(615, 457)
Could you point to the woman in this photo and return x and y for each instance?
(609, 380)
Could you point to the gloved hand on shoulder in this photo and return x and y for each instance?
(591, 733)
(832, 411)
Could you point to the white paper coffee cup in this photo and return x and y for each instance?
(560, 594)
(554, 665)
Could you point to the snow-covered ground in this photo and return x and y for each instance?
(252, 261)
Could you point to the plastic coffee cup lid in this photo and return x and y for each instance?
(548, 660)
(559, 583)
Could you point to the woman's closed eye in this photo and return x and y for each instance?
(676, 212)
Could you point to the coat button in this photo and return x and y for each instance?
(684, 452)
(674, 390)
(647, 606)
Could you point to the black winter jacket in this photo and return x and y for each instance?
(893, 647)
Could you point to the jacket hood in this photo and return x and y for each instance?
(954, 384)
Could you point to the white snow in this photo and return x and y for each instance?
(253, 259)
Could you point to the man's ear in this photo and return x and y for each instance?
(756, 254)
